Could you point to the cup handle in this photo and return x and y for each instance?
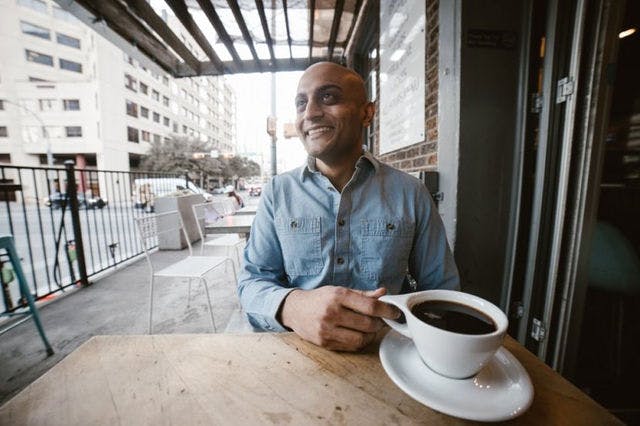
(399, 302)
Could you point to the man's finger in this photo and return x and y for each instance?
(355, 321)
(366, 305)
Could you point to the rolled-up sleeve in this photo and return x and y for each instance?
(262, 283)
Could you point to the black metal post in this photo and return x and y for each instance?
(72, 200)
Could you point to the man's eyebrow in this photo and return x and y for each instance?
(329, 86)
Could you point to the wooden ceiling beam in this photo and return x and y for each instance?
(286, 21)
(246, 35)
(182, 13)
(146, 12)
(265, 28)
(212, 15)
(129, 27)
(335, 26)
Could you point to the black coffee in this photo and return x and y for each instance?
(455, 317)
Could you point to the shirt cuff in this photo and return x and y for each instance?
(272, 304)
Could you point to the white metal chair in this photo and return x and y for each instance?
(225, 206)
(151, 229)
(207, 213)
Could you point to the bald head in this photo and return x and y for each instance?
(348, 78)
(331, 111)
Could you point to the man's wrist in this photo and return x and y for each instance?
(284, 315)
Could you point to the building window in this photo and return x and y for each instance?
(156, 117)
(73, 131)
(46, 104)
(68, 40)
(165, 101)
(165, 80)
(175, 127)
(146, 136)
(155, 95)
(130, 82)
(37, 5)
(39, 58)
(132, 109)
(68, 65)
(144, 112)
(157, 138)
(184, 129)
(71, 104)
(3, 132)
(1, 105)
(35, 30)
(166, 121)
(144, 88)
(132, 134)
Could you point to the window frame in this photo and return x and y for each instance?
(33, 52)
(69, 131)
(68, 40)
(37, 27)
(61, 61)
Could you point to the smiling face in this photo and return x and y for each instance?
(331, 111)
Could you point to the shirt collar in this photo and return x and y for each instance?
(367, 159)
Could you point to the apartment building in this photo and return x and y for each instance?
(67, 93)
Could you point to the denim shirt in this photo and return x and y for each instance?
(306, 235)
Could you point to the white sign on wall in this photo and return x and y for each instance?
(402, 70)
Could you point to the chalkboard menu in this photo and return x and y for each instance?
(402, 70)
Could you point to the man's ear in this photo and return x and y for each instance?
(369, 112)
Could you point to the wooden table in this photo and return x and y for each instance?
(251, 379)
(232, 224)
(248, 210)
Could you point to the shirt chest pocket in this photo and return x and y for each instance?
(300, 239)
(385, 247)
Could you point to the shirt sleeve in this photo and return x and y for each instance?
(431, 263)
(262, 284)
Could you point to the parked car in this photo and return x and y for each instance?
(57, 200)
(255, 191)
(218, 190)
(146, 190)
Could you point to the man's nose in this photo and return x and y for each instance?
(313, 110)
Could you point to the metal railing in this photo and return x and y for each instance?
(70, 224)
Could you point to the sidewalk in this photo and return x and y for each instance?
(118, 304)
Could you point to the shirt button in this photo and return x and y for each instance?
(340, 260)
(390, 226)
(341, 222)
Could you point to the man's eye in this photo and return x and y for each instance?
(300, 104)
(328, 98)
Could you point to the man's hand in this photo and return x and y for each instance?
(336, 318)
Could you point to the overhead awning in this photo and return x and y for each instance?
(227, 36)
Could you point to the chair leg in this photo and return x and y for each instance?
(235, 278)
(206, 289)
(189, 293)
(151, 306)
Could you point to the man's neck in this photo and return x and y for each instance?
(338, 172)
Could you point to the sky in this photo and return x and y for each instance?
(253, 106)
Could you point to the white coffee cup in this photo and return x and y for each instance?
(449, 354)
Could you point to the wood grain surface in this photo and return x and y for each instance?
(252, 379)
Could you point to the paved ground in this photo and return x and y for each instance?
(117, 304)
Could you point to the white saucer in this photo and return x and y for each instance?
(500, 391)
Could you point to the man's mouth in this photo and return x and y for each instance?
(316, 131)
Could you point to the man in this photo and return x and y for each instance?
(332, 237)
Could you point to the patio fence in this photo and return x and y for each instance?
(70, 224)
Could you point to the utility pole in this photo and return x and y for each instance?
(274, 137)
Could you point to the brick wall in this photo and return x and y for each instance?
(423, 155)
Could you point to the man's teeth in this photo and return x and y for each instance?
(317, 131)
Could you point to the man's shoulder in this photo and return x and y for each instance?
(395, 176)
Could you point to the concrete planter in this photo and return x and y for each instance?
(175, 240)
